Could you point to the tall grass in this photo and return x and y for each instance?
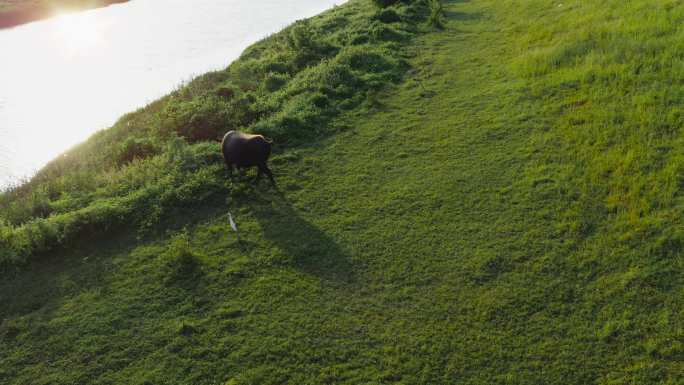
(436, 18)
(287, 86)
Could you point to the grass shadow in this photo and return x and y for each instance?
(462, 16)
(45, 282)
(310, 248)
(88, 264)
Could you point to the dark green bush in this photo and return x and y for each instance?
(201, 119)
(387, 15)
(36, 204)
(135, 148)
(436, 18)
(208, 117)
(182, 265)
(278, 64)
(225, 92)
(385, 3)
(379, 32)
(274, 82)
(371, 61)
(306, 44)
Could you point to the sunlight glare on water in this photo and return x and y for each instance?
(64, 78)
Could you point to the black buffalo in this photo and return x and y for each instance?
(245, 150)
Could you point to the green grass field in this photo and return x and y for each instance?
(495, 202)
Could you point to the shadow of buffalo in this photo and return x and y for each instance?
(308, 247)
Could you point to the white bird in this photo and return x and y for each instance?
(232, 222)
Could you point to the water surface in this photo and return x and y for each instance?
(64, 78)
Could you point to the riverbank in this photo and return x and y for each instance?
(14, 12)
(96, 55)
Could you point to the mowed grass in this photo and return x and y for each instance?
(509, 213)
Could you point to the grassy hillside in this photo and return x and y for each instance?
(497, 202)
(15, 12)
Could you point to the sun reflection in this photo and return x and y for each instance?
(76, 32)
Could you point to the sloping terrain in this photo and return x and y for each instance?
(506, 209)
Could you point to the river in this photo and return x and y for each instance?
(64, 78)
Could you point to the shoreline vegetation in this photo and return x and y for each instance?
(16, 12)
(288, 86)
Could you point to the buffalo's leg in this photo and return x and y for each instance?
(258, 177)
(229, 166)
(243, 173)
(264, 168)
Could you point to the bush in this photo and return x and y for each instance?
(306, 45)
(135, 148)
(387, 16)
(385, 3)
(380, 33)
(225, 92)
(199, 119)
(274, 82)
(436, 18)
(208, 117)
(182, 266)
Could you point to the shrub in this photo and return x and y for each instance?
(387, 16)
(385, 3)
(436, 18)
(278, 64)
(381, 32)
(306, 45)
(225, 92)
(207, 117)
(182, 266)
(373, 61)
(135, 148)
(274, 82)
